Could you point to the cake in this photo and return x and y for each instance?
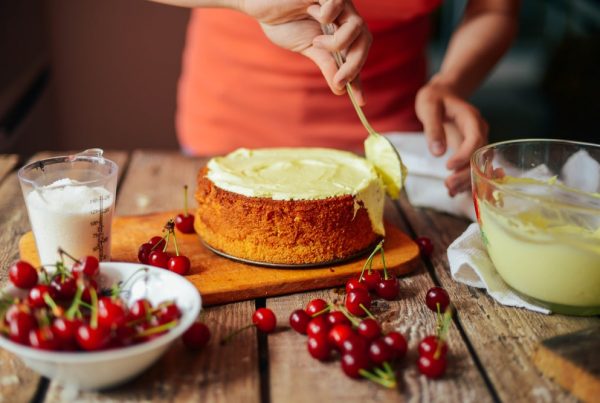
(290, 205)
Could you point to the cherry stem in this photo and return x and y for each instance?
(175, 242)
(385, 272)
(321, 312)
(355, 322)
(166, 238)
(157, 329)
(443, 332)
(62, 252)
(389, 369)
(94, 308)
(231, 335)
(374, 378)
(369, 314)
(185, 197)
(121, 286)
(369, 261)
(74, 307)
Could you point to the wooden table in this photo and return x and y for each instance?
(490, 345)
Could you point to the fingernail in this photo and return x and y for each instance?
(437, 147)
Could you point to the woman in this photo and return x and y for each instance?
(241, 85)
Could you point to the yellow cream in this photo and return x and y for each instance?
(547, 258)
(382, 154)
(301, 174)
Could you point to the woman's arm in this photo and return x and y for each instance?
(484, 35)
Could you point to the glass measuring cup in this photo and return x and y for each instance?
(70, 202)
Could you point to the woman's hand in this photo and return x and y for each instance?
(449, 120)
(296, 25)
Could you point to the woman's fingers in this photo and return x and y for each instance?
(459, 181)
(343, 37)
(356, 56)
(327, 12)
(471, 125)
(430, 111)
(326, 63)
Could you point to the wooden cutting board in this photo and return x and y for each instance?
(221, 280)
(573, 360)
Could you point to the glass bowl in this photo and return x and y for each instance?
(538, 207)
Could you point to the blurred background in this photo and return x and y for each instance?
(104, 72)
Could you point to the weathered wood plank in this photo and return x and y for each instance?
(7, 163)
(154, 182)
(18, 383)
(296, 377)
(504, 338)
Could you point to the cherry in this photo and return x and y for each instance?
(317, 325)
(88, 265)
(338, 334)
(139, 309)
(355, 343)
(372, 279)
(432, 367)
(197, 336)
(36, 295)
(179, 264)
(388, 288)
(89, 284)
(15, 308)
(158, 258)
(20, 325)
(425, 246)
(337, 318)
(64, 287)
(380, 351)
(397, 342)
(23, 275)
(144, 252)
(430, 344)
(437, 297)
(111, 313)
(318, 347)
(264, 319)
(357, 301)
(369, 329)
(299, 320)
(315, 306)
(185, 222)
(168, 312)
(65, 329)
(353, 363)
(355, 283)
(157, 242)
(43, 339)
(90, 338)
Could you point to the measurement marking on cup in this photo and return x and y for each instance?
(99, 224)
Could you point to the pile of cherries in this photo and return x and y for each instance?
(67, 311)
(155, 252)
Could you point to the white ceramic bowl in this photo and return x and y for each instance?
(103, 369)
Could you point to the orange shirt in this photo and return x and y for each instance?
(237, 89)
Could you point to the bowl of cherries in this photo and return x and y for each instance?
(93, 325)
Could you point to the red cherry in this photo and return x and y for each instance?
(315, 306)
(357, 301)
(111, 313)
(432, 367)
(197, 336)
(318, 347)
(355, 283)
(139, 309)
(20, 325)
(64, 287)
(185, 223)
(89, 284)
(14, 309)
(380, 352)
(388, 288)
(168, 312)
(355, 343)
(425, 246)
(88, 265)
(338, 334)
(159, 241)
(429, 345)
(65, 330)
(159, 258)
(317, 325)
(43, 339)
(437, 296)
(371, 280)
(179, 264)
(299, 320)
(264, 319)
(23, 275)
(144, 252)
(36, 295)
(397, 342)
(369, 329)
(89, 338)
(337, 318)
(353, 363)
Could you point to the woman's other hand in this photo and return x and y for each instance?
(449, 120)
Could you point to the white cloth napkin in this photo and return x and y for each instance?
(470, 264)
(426, 174)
